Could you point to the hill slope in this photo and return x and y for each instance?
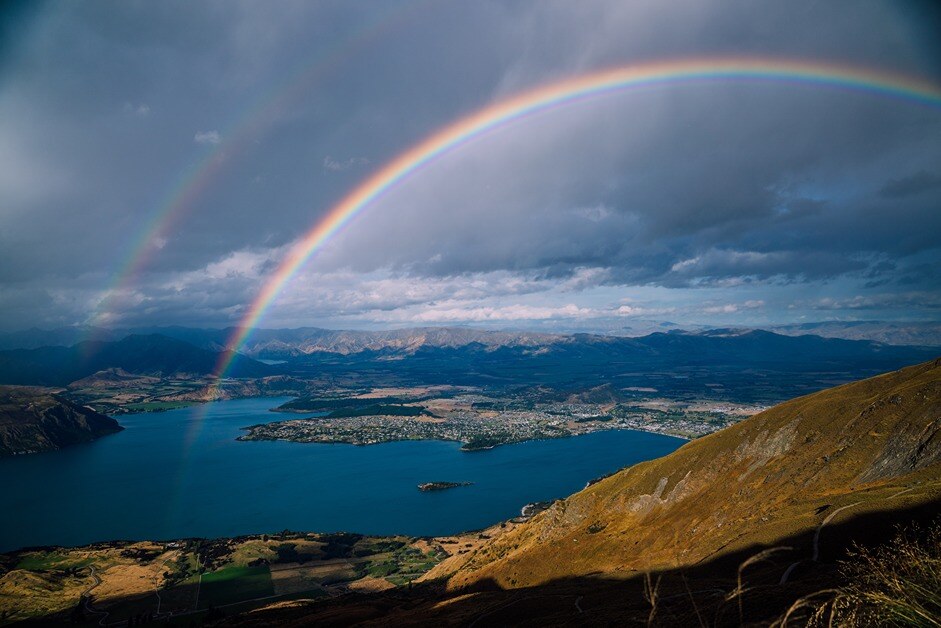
(767, 478)
(34, 420)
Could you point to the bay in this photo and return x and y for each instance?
(181, 473)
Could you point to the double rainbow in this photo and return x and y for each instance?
(245, 127)
(559, 94)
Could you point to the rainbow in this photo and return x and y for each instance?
(192, 181)
(549, 97)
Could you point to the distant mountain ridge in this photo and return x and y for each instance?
(141, 355)
(716, 358)
(279, 344)
(287, 343)
(275, 343)
(918, 333)
(672, 363)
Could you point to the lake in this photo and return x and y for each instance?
(181, 473)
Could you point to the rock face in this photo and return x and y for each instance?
(34, 420)
(868, 446)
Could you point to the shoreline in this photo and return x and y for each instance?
(682, 437)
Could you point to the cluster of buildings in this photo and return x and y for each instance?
(492, 423)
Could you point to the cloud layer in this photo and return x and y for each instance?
(715, 202)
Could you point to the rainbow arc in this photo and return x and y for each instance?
(561, 94)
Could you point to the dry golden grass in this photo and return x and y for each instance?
(252, 550)
(56, 580)
(131, 579)
(370, 585)
(406, 391)
(287, 581)
(898, 584)
(26, 594)
(460, 548)
(770, 477)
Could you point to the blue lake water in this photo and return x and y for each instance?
(182, 474)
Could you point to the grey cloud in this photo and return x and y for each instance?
(908, 186)
(676, 195)
(338, 165)
(721, 263)
(220, 114)
(911, 300)
(207, 137)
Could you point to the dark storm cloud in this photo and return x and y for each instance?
(108, 109)
(738, 182)
(917, 183)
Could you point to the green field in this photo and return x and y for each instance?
(235, 584)
(321, 404)
(41, 561)
(156, 406)
(379, 410)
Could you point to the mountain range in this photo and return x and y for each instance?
(707, 363)
(750, 367)
(916, 333)
(287, 343)
(276, 344)
(145, 355)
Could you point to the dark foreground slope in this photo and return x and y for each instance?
(731, 528)
(34, 420)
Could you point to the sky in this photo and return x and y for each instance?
(158, 160)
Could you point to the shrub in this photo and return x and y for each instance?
(897, 584)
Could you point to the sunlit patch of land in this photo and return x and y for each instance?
(119, 580)
(410, 391)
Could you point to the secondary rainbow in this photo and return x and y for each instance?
(250, 123)
(559, 94)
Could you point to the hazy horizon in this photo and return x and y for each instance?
(925, 333)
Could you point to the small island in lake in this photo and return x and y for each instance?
(440, 486)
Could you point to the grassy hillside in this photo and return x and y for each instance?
(857, 446)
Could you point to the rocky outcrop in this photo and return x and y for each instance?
(915, 442)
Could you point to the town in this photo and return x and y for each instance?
(482, 422)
